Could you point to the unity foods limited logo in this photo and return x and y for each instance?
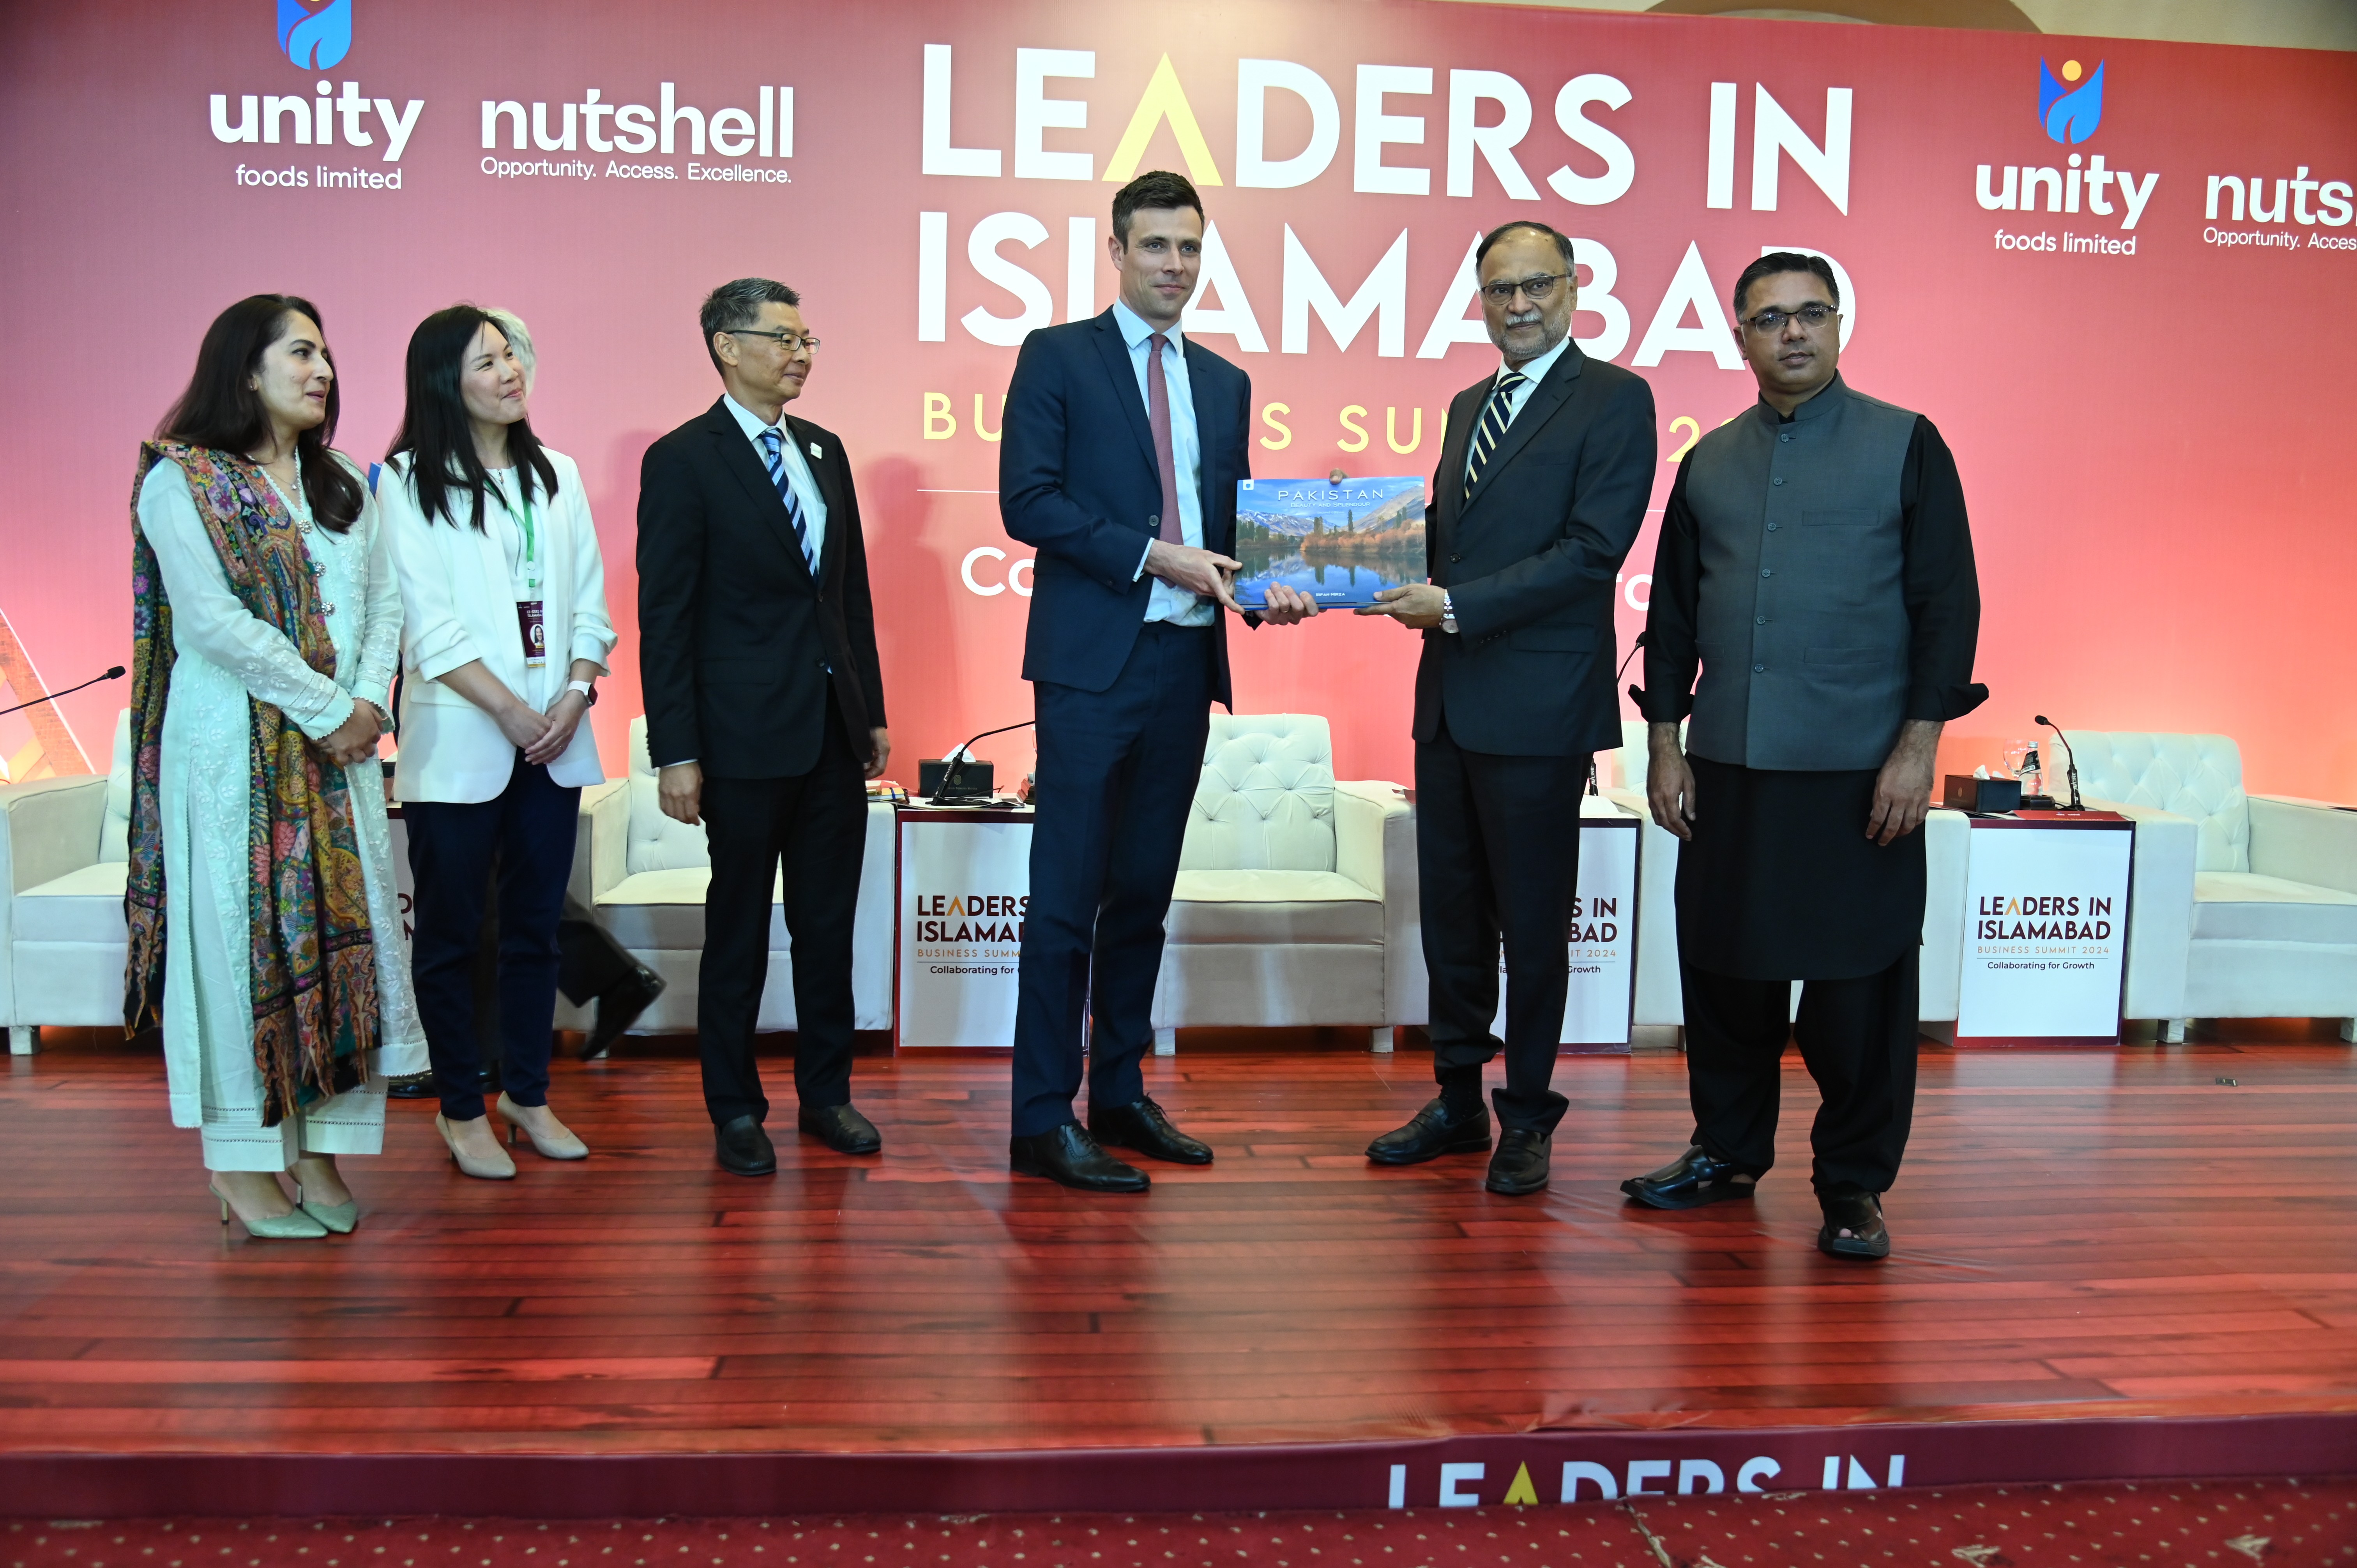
(316, 39)
(2069, 113)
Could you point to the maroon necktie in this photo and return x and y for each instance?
(1157, 415)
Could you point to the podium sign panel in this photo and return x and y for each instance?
(965, 888)
(1597, 1001)
(2046, 923)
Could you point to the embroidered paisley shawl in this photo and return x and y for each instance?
(313, 959)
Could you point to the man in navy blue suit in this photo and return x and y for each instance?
(1121, 449)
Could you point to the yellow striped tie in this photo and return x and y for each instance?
(1495, 416)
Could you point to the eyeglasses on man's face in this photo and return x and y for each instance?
(792, 342)
(1767, 323)
(1534, 289)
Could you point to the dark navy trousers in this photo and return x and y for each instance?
(1116, 777)
(527, 829)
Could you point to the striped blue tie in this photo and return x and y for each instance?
(773, 453)
(1495, 416)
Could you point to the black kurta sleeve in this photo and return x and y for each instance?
(1942, 586)
(1671, 660)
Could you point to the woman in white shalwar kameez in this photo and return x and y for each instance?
(228, 662)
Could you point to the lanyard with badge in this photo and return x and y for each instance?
(530, 621)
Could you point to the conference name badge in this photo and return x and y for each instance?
(534, 629)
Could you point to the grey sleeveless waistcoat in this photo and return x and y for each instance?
(1802, 626)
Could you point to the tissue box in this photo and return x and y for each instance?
(1965, 793)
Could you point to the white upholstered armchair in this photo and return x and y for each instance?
(1296, 902)
(63, 847)
(645, 875)
(2244, 906)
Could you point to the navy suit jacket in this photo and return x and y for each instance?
(1077, 482)
(1531, 562)
(738, 645)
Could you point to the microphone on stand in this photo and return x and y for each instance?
(951, 782)
(113, 674)
(2070, 752)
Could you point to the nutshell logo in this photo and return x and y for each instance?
(2069, 113)
(316, 39)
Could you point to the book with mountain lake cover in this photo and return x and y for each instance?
(1339, 543)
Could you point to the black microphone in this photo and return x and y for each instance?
(1633, 649)
(954, 774)
(113, 674)
(2070, 752)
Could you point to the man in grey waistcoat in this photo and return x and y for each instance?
(1815, 562)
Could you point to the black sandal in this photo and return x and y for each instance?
(1860, 1214)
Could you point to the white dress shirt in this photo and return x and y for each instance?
(1174, 604)
(1536, 370)
(797, 472)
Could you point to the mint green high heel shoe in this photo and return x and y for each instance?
(339, 1218)
(294, 1226)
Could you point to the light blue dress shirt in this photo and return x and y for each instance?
(1537, 372)
(797, 472)
(1173, 604)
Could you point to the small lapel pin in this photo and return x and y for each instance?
(815, 450)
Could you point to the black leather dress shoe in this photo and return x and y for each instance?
(1853, 1227)
(618, 1009)
(744, 1149)
(1691, 1180)
(1520, 1166)
(1141, 1125)
(1438, 1129)
(1069, 1156)
(841, 1128)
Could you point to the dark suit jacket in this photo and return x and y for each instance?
(1077, 482)
(737, 646)
(1530, 560)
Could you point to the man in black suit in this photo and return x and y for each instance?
(1118, 461)
(765, 706)
(1541, 487)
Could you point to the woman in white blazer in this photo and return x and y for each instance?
(505, 636)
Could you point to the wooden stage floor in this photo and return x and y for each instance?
(2080, 1235)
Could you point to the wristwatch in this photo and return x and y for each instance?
(1448, 613)
(588, 692)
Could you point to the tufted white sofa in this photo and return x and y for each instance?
(2242, 906)
(1946, 840)
(64, 843)
(645, 875)
(1296, 902)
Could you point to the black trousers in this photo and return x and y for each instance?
(1117, 772)
(1497, 852)
(593, 962)
(812, 827)
(1858, 1037)
(527, 829)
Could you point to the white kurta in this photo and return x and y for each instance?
(223, 655)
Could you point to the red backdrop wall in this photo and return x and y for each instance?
(2154, 443)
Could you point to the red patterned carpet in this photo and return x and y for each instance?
(2279, 1523)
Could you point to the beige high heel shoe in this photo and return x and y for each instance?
(562, 1144)
(499, 1167)
(295, 1226)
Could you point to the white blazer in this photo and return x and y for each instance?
(459, 604)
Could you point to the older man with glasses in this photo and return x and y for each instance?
(765, 707)
(1815, 562)
(1541, 488)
